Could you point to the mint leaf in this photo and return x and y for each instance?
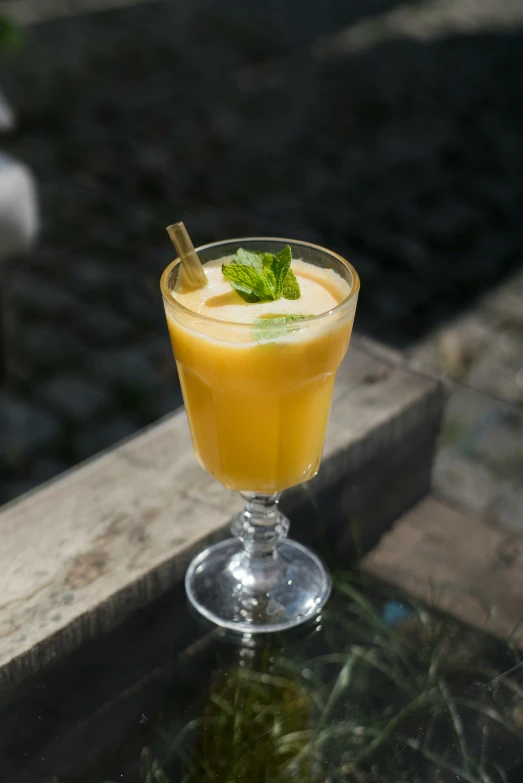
(280, 266)
(271, 318)
(291, 287)
(262, 262)
(259, 277)
(247, 281)
(252, 258)
(270, 327)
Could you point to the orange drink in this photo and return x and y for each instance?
(258, 397)
(258, 339)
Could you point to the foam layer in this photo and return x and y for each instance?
(321, 291)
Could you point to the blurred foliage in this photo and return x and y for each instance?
(10, 36)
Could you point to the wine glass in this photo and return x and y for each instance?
(258, 401)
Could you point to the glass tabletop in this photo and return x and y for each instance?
(380, 689)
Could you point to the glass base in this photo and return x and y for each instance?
(257, 594)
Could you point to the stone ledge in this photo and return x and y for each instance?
(85, 551)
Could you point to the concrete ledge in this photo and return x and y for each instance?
(85, 551)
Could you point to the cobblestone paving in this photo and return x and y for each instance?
(480, 356)
(479, 464)
(482, 349)
(407, 156)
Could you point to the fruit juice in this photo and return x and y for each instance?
(258, 394)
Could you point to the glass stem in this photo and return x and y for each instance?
(260, 525)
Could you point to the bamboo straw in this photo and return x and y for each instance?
(194, 276)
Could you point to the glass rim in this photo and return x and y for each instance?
(340, 308)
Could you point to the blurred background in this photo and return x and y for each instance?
(390, 132)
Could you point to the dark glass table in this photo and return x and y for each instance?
(380, 689)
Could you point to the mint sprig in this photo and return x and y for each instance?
(261, 277)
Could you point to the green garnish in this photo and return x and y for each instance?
(259, 277)
(291, 287)
(269, 327)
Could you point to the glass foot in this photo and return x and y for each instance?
(280, 589)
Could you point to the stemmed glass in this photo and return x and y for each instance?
(258, 404)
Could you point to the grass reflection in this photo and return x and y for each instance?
(388, 692)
